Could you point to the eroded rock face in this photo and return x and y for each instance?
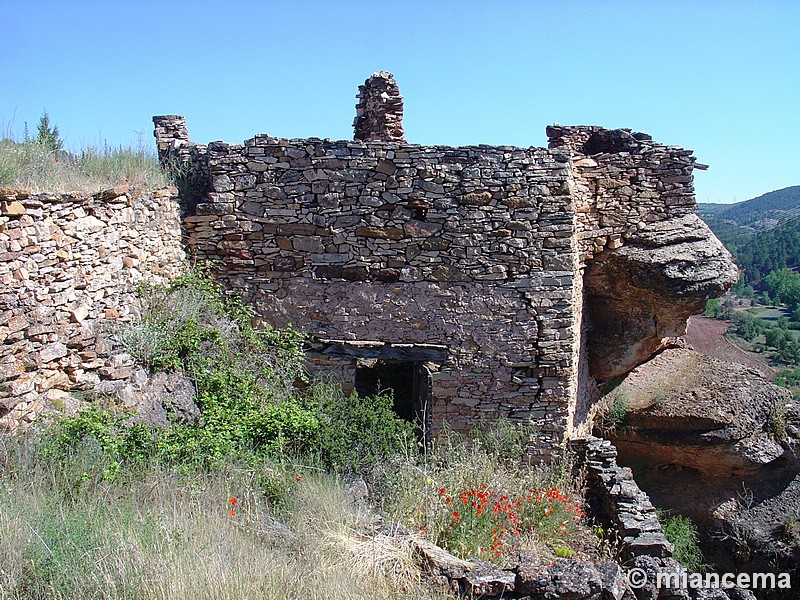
(640, 295)
(685, 408)
(717, 442)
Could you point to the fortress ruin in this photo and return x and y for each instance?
(477, 281)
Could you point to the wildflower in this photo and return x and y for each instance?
(298, 478)
(232, 513)
(233, 501)
(442, 491)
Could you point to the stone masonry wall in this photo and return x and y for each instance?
(622, 181)
(69, 264)
(470, 249)
(478, 252)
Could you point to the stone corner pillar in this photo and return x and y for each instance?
(170, 132)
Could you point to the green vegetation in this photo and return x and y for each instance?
(41, 164)
(614, 413)
(770, 250)
(776, 204)
(255, 492)
(47, 135)
(159, 535)
(682, 533)
(246, 380)
(778, 420)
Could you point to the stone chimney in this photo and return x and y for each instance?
(379, 112)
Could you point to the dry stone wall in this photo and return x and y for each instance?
(463, 255)
(474, 266)
(69, 264)
(622, 181)
(468, 262)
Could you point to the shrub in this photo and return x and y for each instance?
(245, 379)
(357, 432)
(110, 440)
(778, 420)
(682, 533)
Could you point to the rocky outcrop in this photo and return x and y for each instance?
(717, 442)
(698, 412)
(531, 577)
(641, 295)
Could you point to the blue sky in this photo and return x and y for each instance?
(721, 78)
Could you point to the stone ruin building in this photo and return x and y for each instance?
(476, 281)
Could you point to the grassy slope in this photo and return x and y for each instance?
(35, 168)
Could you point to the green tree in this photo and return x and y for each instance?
(47, 134)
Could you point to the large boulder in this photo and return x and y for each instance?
(684, 408)
(715, 441)
(641, 295)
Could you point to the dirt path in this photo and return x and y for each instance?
(707, 336)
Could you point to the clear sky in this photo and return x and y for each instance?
(719, 77)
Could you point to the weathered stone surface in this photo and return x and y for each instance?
(486, 579)
(641, 294)
(379, 112)
(620, 501)
(53, 312)
(568, 578)
(12, 209)
(700, 412)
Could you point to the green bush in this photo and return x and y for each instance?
(682, 533)
(245, 378)
(357, 432)
(111, 439)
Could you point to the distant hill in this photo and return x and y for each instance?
(764, 212)
(763, 234)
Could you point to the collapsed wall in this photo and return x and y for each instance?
(69, 265)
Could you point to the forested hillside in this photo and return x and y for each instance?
(763, 234)
(763, 212)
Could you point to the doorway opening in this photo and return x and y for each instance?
(408, 381)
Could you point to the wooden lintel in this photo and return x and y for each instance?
(377, 350)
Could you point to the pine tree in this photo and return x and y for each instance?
(47, 135)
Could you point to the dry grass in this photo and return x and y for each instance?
(164, 537)
(36, 168)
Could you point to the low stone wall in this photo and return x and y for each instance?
(614, 495)
(69, 265)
